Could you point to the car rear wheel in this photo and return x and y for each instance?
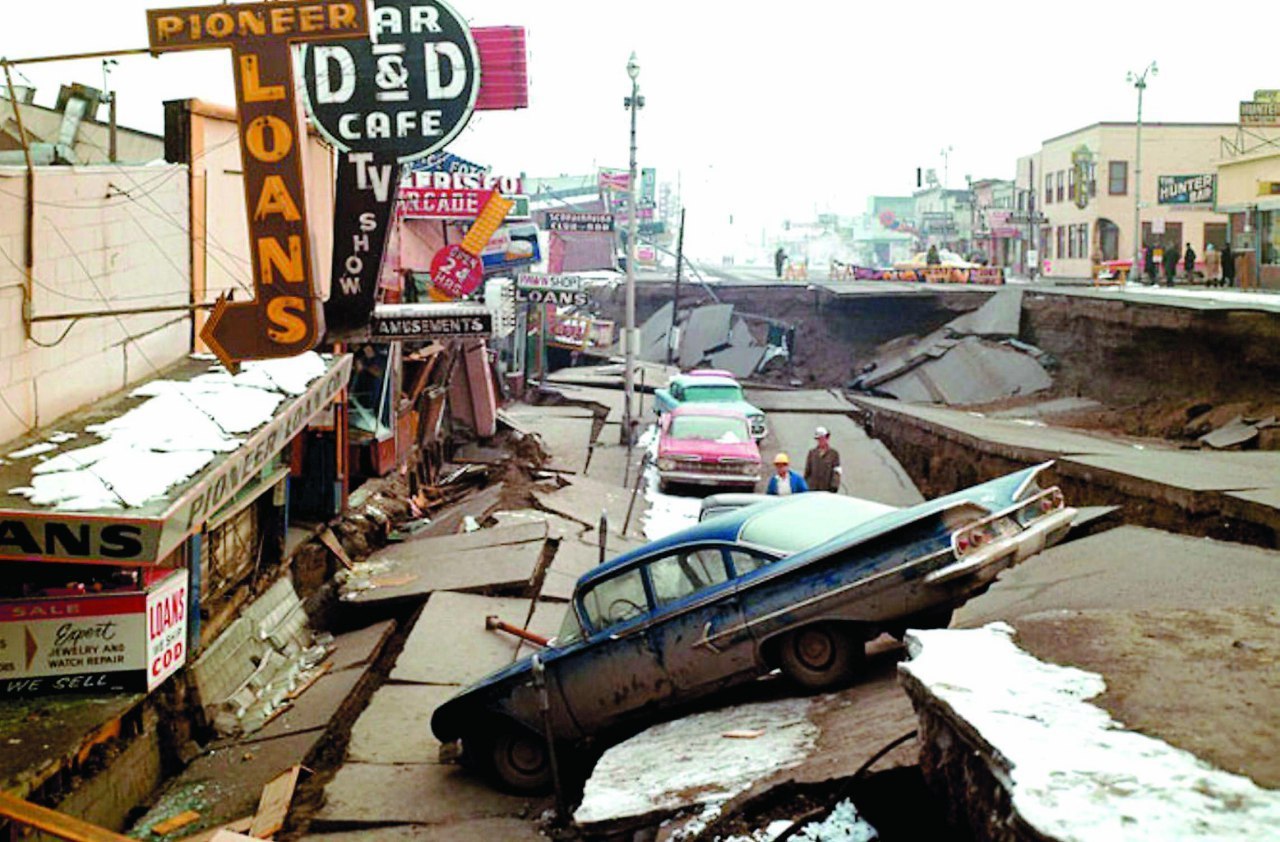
(821, 656)
(520, 761)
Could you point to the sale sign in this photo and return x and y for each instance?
(96, 643)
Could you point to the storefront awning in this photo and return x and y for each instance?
(127, 480)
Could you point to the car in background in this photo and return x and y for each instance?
(707, 444)
(798, 584)
(709, 386)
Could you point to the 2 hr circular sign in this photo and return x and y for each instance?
(455, 273)
(407, 91)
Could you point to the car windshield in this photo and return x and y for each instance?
(786, 529)
(721, 392)
(718, 428)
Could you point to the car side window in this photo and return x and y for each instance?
(678, 575)
(677, 391)
(616, 600)
(744, 561)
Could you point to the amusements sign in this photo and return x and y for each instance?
(285, 318)
(424, 322)
(1186, 189)
(95, 643)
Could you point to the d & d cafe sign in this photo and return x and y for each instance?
(285, 317)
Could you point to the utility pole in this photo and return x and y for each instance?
(1139, 81)
(675, 306)
(633, 102)
(107, 64)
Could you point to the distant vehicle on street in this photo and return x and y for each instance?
(796, 583)
(709, 386)
(707, 444)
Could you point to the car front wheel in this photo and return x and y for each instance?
(519, 759)
(821, 656)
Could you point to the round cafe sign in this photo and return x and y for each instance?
(406, 92)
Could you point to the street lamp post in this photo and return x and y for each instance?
(1139, 81)
(633, 102)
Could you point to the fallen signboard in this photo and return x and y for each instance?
(424, 322)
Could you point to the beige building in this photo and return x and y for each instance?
(1249, 192)
(1083, 184)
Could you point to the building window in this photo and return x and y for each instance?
(1071, 184)
(1118, 178)
(1061, 187)
(1062, 238)
(1046, 245)
(1048, 188)
(1093, 179)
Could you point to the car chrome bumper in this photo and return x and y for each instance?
(696, 478)
(1044, 532)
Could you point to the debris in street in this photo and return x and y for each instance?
(743, 734)
(1237, 433)
(335, 546)
(1068, 769)
(273, 809)
(842, 825)
(178, 822)
(687, 765)
(492, 623)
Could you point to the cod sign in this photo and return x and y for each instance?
(285, 319)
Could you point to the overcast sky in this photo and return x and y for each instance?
(767, 110)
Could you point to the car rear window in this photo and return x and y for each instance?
(808, 520)
(717, 428)
(724, 392)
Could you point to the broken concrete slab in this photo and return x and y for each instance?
(1129, 567)
(689, 764)
(573, 558)
(799, 400)
(567, 440)
(1236, 433)
(613, 399)
(739, 360)
(472, 651)
(396, 725)
(870, 470)
(448, 520)
(1000, 316)
(610, 376)
(314, 710)
(705, 329)
(41, 734)
(498, 536)
(654, 333)
(360, 647)
(1189, 470)
(972, 372)
(419, 793)
(397, 574)
(506, 830)
(1047, 408)
(556, 526)
(583, 499)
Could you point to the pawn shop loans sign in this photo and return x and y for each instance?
(285, 318)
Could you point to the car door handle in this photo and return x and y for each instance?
(706, 638)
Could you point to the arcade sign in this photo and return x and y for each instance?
(285, 317)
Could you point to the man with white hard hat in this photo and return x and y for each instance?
(822, 468)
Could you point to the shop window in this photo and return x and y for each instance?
(375, 387)
(1118, 178)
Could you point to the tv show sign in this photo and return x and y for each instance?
(285, 317)
(579, 222)
(95, 643)
(1186, 189)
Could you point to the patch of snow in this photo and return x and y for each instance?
(62, 438)
(842, 825)
(765, 834)
(689, 764)
(168, 438)
(667, 513)
(34, 450)
(1077, 774)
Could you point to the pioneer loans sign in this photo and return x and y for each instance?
(94, 643)
(285, 317)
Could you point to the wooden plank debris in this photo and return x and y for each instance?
(273, 808)
(177, 822)
(51, 821)
(335, 546)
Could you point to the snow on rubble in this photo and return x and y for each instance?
(1077, 774)
(691, 764)
(168, 438)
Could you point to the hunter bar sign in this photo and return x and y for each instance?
(1186, 189)
(425, 322)
(285, 319)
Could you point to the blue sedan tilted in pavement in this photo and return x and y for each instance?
(795, 583)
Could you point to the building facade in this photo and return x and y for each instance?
(1084, 186)
(1248, 191)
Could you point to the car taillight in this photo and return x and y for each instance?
(982, 533)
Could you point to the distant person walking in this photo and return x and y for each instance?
(1189, 263)
(784, 483)
(779, 261)
(1149, 266)
(1170, 266)
(1212, 266)
(1228, 266)
(932, 258)
(822, 469)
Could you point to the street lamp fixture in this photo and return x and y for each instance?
(1139, 81)
(633, 103)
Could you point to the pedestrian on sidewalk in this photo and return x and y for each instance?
(1170, 265)
(1149, 265)
(1189, 263)
(1212, 266)
(784, 483)
(779, 261)
(822, 467)
(1228, 266)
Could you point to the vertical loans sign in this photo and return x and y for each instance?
(403, 94)
(285, 318)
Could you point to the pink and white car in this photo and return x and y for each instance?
(706, 444)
